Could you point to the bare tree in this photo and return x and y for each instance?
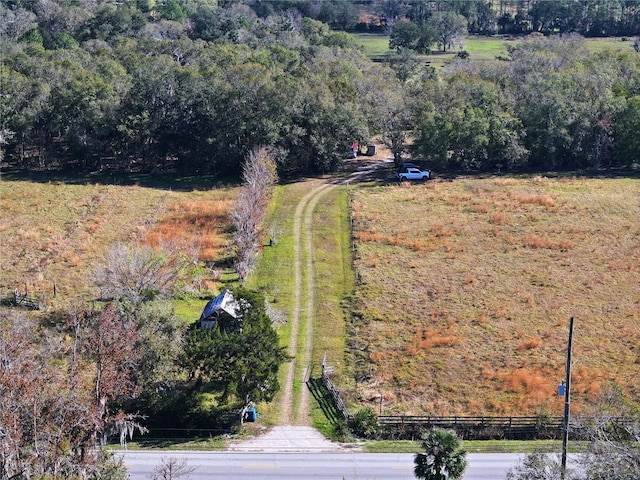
(613, 429)
(259, 171)
(136, 274)
(258, 174)
(15, 22)
(537, 466)
(172, 468)
(111, 347)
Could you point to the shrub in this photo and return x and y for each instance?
(364, 423)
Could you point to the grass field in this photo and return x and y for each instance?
(467, 287)
(480, 48)
(57, 232)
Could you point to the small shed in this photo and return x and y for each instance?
(224, 305)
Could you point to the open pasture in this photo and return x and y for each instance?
(467, 286)
(480, 48)
(57, 232)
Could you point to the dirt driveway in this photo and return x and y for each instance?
(293, 432)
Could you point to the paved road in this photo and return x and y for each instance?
(299, 466)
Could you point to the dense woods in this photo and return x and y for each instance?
(195, 85)
(592, 18)
(552, 105)
(117, 86)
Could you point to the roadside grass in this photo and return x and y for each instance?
(467, 287)
(175, 444)
(476, 446)
(369, 446)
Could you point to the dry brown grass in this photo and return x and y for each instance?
(56, 232)
(530, 344)
(199, 223)
(468, 286)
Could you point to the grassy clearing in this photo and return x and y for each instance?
(374, 45)
(480, 48)
(468, 285)
(624, 44)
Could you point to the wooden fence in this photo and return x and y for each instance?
(472, 427)
(468, 427)
(333, 391)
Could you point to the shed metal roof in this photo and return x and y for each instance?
(223, 302)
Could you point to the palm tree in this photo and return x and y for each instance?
(444, 458)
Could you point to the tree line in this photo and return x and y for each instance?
(590, 18)
(550, 105)
(193, 87)
(120, 88)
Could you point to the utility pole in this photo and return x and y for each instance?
(567, 405)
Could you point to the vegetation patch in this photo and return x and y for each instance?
(475, 321)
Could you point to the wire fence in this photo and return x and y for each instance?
(17, 299)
